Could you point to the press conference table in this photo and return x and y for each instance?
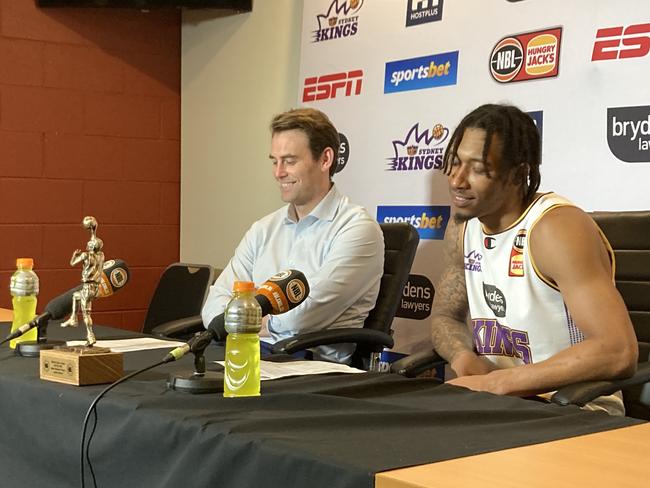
(615, 458)
(324, 431)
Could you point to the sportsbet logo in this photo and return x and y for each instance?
(431, 222)
(423, 72)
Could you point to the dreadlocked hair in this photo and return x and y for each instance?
(521, 150)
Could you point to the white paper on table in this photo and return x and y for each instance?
(129, 345)
(270, 370)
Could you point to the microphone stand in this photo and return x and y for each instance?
(200, 380)
(33, 349)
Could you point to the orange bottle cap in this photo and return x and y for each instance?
(25, 263)
(243, 286)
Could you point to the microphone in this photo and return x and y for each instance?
(56, 309)
(279, 294)
(115, 274)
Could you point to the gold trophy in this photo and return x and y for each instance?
(88, 364)
(91, 276)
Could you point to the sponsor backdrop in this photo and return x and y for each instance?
(396, 76)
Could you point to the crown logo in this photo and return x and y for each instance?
(332, 21)
(412, 150)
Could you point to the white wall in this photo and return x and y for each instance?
(237, 72)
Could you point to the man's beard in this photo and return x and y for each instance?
(462, 218)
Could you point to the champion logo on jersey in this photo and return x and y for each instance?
(516, 267)
(489, 242)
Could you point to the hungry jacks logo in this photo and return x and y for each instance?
(527, 56)
(516, 268)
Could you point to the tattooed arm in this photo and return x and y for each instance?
(450, 335)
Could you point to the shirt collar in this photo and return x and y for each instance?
(325, 210)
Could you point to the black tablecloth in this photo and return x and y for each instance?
(320, 431)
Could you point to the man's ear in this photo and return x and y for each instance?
(327, 159)
(519, 174)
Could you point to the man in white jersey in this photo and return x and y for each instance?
(533, 272)
(335, 243)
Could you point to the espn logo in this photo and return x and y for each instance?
(635, 40)
(328, 86)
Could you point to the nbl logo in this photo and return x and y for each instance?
(516, 266)
(528, 56)
(118, 277)
(295, 291)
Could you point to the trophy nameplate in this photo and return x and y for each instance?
(81, 365)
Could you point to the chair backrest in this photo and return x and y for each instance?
(629, 235)
(180, 293)
(400, 243)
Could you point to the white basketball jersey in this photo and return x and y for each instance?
(517, 316)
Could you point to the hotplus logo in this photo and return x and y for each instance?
(341, 20)
(423, 72)
(622, 42)
(345, 83)
(431, 222)
(420, 150)
(423, 11)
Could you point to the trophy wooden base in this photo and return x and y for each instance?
(81, 365)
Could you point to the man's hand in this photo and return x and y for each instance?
(466, 363)
(490, 382)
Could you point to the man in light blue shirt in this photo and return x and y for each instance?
(335, 243)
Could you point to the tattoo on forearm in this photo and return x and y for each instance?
(449, 331)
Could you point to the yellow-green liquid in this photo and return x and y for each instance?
(242, 364)
(24, 312)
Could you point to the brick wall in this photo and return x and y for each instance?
(89, 125)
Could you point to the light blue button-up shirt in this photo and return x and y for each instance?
(338, 247)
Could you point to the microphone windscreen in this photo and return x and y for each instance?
(60, 306)
(115, 275)
(279, 294)
(283, 291)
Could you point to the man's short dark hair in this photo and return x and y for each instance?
(317, 126)
(521, 152)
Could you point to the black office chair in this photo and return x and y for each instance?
(176, 303)
(400, 244)
(629, 235)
